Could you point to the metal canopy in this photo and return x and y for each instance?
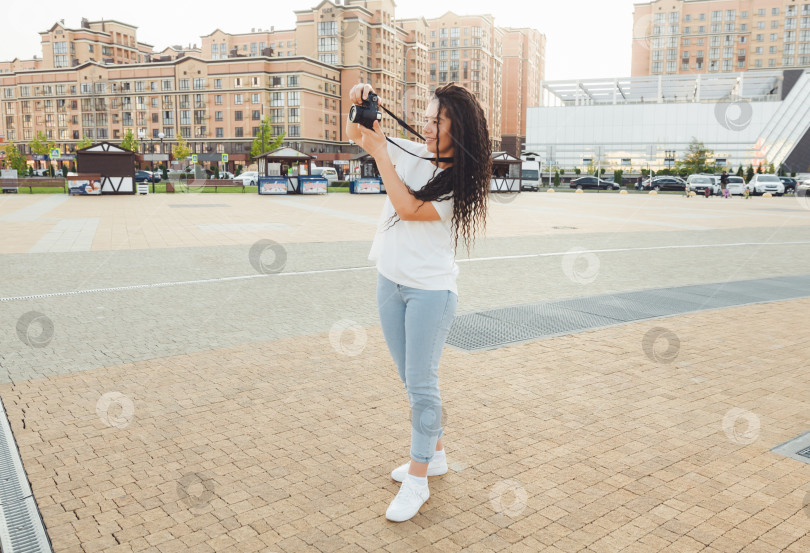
(752, 85)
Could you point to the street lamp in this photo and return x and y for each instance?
(161, 136)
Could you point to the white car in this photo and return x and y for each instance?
(736, 185)
(329, 173)
(248, 178)
(699, 183)
(761, 184)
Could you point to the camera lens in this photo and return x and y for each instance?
(353, 114)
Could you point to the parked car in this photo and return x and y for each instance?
(248, 178)
(329, 173)
(226, 175)
(760, 184)
(592, 182)
(790, 184)
(736, 185)
(146, 176)
(803, 189)
(665, 182)
(699, 184)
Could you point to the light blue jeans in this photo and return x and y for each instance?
(416, 324)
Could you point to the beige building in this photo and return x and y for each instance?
(467, 50)
(524, 62)
(98, 81)
(719, 36)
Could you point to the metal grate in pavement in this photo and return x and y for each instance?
(21, 527)
(798, 448)
(495, 328)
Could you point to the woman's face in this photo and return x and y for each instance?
(437, 129)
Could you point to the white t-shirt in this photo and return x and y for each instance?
(419, 254)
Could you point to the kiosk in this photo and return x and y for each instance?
(364, 177)
(110, 168)
(506, 173)
(288, 171)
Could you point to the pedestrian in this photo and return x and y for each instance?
(707, 191)
(437, 191)
(724, 184)
(745, 192)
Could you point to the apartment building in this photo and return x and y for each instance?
(467, 50)
(108, 83)
(719, 36)
(215, 105)
(524, 62)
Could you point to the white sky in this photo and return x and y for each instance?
(585, 38)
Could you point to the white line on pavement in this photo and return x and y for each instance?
(369, 267)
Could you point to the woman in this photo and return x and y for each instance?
(436, 192)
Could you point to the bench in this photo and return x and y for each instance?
(216, 183)
(33, 183)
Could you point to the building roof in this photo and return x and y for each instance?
(751, 85)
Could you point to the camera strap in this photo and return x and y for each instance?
(410, 129)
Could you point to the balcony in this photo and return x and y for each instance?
(200, 105)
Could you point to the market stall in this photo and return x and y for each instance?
(288, 171)
(104, 168)
(506, 173)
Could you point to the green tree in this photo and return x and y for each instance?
(749, 173)
(181, 149)
(740, 172)
(696, 158)
(617, 176)
(130, 142)
(556, 178)
(41, 145)
(771, 169)
(14, 159)
(84, 143)
(577, 171)
(264, 140)
(759, 168)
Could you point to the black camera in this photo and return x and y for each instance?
(366, 113)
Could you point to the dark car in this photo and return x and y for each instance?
(592, 182)
(665, 183)
(790, 184)
(146, 176)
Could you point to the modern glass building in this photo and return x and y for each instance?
(757, 117)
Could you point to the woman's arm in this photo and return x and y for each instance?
(407, 207)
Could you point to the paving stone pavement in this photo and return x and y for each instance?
(217, 408)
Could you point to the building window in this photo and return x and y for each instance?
(327, 28)
(276, 98)
(184, 84)
(292, 80)
(218, 116)
(220, 132)
(237, 115)
(293, 115)
(293, 98)
(199, 84)
(255, 98)
(240, 132)
(166, 84)
(256, 115)
(237, 99)
(237, 82)
(218, 99)
(294, 130)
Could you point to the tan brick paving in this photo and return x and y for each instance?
(576, 443)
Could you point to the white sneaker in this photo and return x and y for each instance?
(435, 468)
(408, 501)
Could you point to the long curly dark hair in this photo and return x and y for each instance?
(467, 180)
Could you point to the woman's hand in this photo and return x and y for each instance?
(374, 142)
(355, 131)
